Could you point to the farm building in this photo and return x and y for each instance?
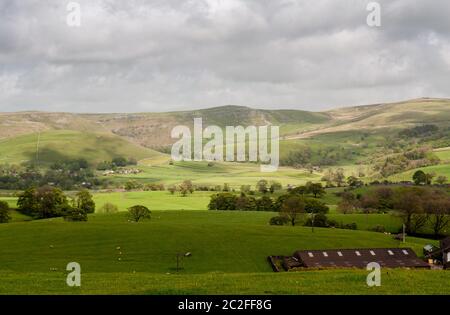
(354, 258)
(441, 254)
(445, 250)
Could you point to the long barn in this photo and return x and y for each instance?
(356, 258)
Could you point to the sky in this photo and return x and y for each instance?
(160, 55)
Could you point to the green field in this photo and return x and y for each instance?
(155, 200)
(60, 145)
(229, 251)
(441, 169)
(234, 174)
(443, 155)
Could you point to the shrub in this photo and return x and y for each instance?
(74, 214)
(320, 220)
(4, 212)
(223, 201)
(279, 220)
(350, 226)
(264, 204)
(378, 228)
(108, 208)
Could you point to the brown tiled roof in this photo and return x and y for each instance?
(359, 258)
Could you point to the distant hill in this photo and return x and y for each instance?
(102, 136)
(391, 115)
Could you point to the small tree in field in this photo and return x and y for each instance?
(139, 212)
(437, 206)
(108, 208)
(410, 206)
(441, 179)
(316, 189)
(84, 201)
(172, 189)
(74, 214)
(261, 185)
(4, 212)
(419, 177)
(292, 208)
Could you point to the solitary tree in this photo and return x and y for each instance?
(139, 212)
(339, 176)
(316, 189)
(109, 208)
(84, 201)
(262, 186)
(438, 208)
(441, 179)
(352, 181)
(410, 207)
(4, 212)
(419, 177)
(293, 207)
(349, 203)
(274, 186)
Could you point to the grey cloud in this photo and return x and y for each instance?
(168, 55)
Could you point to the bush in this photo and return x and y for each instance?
(4, 212)
(378, 228)
(279, 220)
(108, 208)
(320, 220)
(264, 204)
(223, 201)
(74, 214)
(350, 226)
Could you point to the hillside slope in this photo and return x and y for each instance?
(152, 130)
(384, 116)
(58, 145)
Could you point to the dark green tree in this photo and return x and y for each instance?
(419, 177)
(137, 213)
(85, 201)
(293, 208)
(4, 212)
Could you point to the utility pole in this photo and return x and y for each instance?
(404, 234)
(37, 149)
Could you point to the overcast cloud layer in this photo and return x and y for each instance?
(159, 55)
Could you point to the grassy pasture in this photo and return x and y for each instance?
(234, 174)
(61, 145)
(441, 169)
(229, 251)
(155, 200)
(443, 154)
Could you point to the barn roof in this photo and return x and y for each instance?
(359, 258)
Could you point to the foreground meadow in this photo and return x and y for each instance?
(228, 256)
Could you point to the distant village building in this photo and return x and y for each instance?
(122, 171)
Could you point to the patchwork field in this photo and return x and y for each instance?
(60, 145)
(441, 169)
(200, 173)
(229, 251)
